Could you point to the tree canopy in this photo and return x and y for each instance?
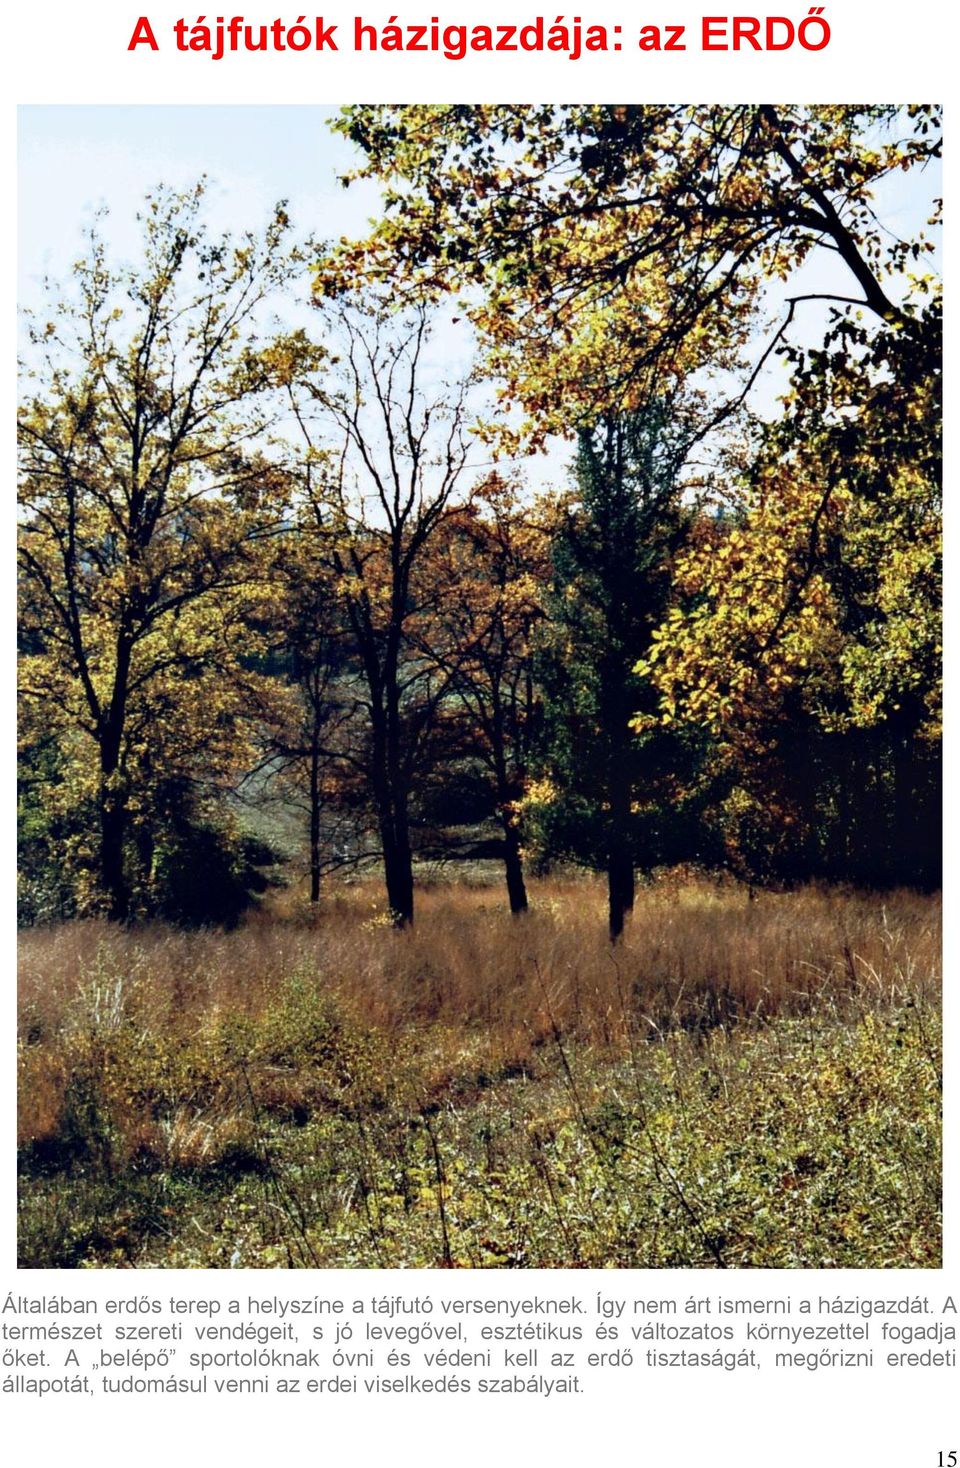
(605, 250)
(268, 589)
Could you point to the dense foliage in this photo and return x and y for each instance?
(273, 622)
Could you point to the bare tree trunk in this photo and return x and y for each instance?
(112, 799)
(513, 863)
(314, 823)
(113, 806)
(620, 872)
(391, 805)
(113, 821)
(398, 875)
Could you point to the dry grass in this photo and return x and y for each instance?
(693, 950)
(182, 1052)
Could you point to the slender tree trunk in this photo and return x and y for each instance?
(113, 821)
(619, 792)
(113, 805)
(398, 875)
(314, 823)
(398, 867)
(620, 878)
(513, 864)
(390, 800)
(512, 857)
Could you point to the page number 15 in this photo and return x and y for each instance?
(947, 1460)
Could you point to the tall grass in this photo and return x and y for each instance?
(359, 1095)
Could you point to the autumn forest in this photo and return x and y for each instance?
(479, 759)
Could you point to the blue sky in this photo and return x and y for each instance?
(74, 158)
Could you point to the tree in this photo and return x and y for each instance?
(299, 695)
(145, 493)
(612, 561)
(380, 499)
(605, 255)
(809, 616)
(491, 605)
(649, 226)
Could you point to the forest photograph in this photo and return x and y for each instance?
(479, 641)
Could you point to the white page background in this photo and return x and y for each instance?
(61, 53)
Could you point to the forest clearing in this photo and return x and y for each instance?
(480, 694)
(742, 1082)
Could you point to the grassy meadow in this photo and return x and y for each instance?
(745, 1080)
